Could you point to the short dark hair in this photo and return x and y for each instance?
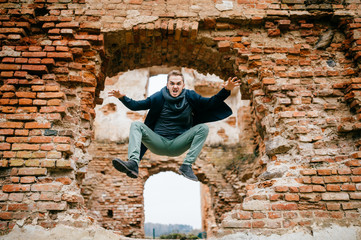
(175, 73)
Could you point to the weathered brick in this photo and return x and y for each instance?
(333, 188)
(356, 171)
(67, 181)
(23, 146)
(32, 171)
(16, 197)
(18, 207)
(336, 179)
(284, 206)
(11, 124)
(281, 189)
(44, 206)
(340, 196)
(63, 164)
(50, 94)
(16, 188)
(333, 206)
(51, 187)
(355, 195)
(37, 125)
(292, 197)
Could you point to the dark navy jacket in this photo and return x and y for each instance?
(204, 109)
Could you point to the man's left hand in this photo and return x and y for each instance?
(231, 83)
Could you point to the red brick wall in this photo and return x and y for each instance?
(305, 111)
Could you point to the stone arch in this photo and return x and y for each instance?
(101, 174)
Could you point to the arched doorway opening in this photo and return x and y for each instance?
(172, 204)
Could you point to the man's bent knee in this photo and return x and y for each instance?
(136, 124)
(203, 128)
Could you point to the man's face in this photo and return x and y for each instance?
(175, 85)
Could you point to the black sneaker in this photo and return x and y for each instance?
(186, 171)
(130, 168)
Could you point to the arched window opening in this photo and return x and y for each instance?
(172, 204)
(156, 83)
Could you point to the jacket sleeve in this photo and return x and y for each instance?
(136, 105)
(208, 103)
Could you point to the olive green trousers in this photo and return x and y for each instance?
(193, 139)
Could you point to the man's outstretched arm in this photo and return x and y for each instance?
(221, 95)
(130, 103)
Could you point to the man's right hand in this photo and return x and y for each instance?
(116, 93)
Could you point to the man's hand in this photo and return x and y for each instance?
(231, 83)
(116, 93)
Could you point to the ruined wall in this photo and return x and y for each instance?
(304, 99)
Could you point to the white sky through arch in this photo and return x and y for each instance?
(170, 198)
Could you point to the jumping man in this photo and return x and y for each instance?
(174, 123)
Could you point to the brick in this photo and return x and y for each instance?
(63, 164)
(5, 146)
(74, 198)
(64, 148)
(51, 187)
(61, 55)
(11, 125)
(6, 131)
(32, 163)
(243, 215)
(281, 189)
(45, 206)
(37, 125)
(356, 154)
(305, 189)
(258, 224)
(7, 88)
(16, 197)
(34, 54)
(284, 206)
(348, 187)
(32, 171)
(67, 181)
(308, 172)
(323, 172)
(62, 139)
(355, 195)
(47, 196)
(292, 197)
(27, 179)
(339, 196)
(317, 180)
(258, 215)
(333, 188)
(52, 109)
(318, 188)
(7, 67)
(16, 188)
(351, 205)
(6, 215)
(356, 171)
(336, 179)
(344, 171)
(356, 178)
(40, 139)
(23, 146)
(16, 139)
(353, 163)
(333, 206)
(50, 95)
(18, 207)
(274, 215)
